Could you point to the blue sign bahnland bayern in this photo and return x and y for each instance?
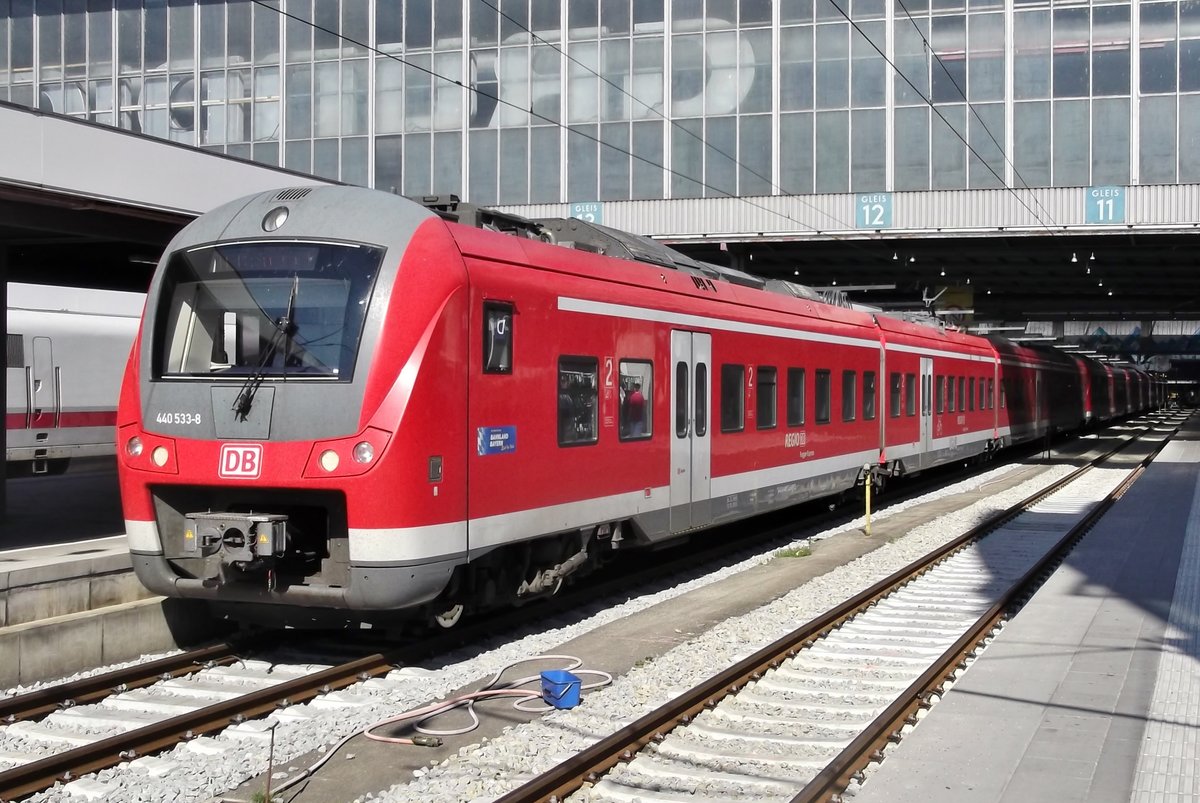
(591, 211)
(495, 440)
(1104, 204)
(873, 210)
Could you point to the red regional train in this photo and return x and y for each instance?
(344, 402)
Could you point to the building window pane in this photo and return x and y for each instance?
(832, 152)
(867, 76)
(418, 173)
(1071, 64)
(514, 166)
(868, 150)
(1031, 144)
(912, 61)
(389, 153)
(832, 66)
(687, 159)
(447, 162)
(582, 163)
(1031, 59)
(1110, 141)
(1158, 45)
(647, 170)
(949, 70)
(483, 188)
(986, 135)
(911, 147)
(1157, 158)
(614, 161)
(720, 165)
(949, 150)
(754, 72)
(985, 74)
(754, 147)
(1071, 138)
(796, 160)
(1110, 50)
(796, 68)
(1189, 131)
(544, 174)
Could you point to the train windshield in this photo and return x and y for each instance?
(265, 309)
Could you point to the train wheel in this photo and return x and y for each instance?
(449, 617)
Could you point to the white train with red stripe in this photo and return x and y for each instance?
(342, 400)
(66, 353)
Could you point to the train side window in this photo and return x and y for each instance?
(823, 377)
(681, 399)
(982, 400)
(701, 400)
(971, 396)
(895, 393)
(733, 398)
(767, 401)
(849, 394)
(941, 394)
(910, 394)
(991, 393)
(795, 397)
(949, 394)
(497, 337)
(868, 395)
(1002, 396)
(637, 392)
(962, 394)
(577, 395)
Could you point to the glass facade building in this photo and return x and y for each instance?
(540, 101)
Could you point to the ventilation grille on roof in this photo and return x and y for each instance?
(294, 194)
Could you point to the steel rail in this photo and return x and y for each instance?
(65, 766)
(867, 746)
(35, 704)
(587, 767)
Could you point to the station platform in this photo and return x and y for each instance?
(1092, 691)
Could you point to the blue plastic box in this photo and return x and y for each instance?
(560, 688)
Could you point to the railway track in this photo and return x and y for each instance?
(131, 714)
(799, 719)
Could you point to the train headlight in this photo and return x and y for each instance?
(159, 456)
(133, 447)
(330, 460)
(364, 452)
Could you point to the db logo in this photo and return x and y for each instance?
(241, 461)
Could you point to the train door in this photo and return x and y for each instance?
(925, 405)
(43, 386)
(691, 358)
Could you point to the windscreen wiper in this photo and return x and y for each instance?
(284, 329)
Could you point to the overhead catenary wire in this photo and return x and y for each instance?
(1000, 148)
(942, 117)
(673, 123)
(571, 131)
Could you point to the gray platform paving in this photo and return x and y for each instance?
(1092, 691)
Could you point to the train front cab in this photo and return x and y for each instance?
(290, 434)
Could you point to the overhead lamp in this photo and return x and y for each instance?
(968, 280)
(989, 292)
(1092, 258)
(795, 273)
(912, 260)
(1110, 291)
(943, 271)
(1100, 283)
(1073, 257)
(895, 256)
(1089, 270)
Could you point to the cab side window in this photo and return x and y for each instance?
(497, 337)
(577, 394)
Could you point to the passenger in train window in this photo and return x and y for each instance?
(636, 383)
